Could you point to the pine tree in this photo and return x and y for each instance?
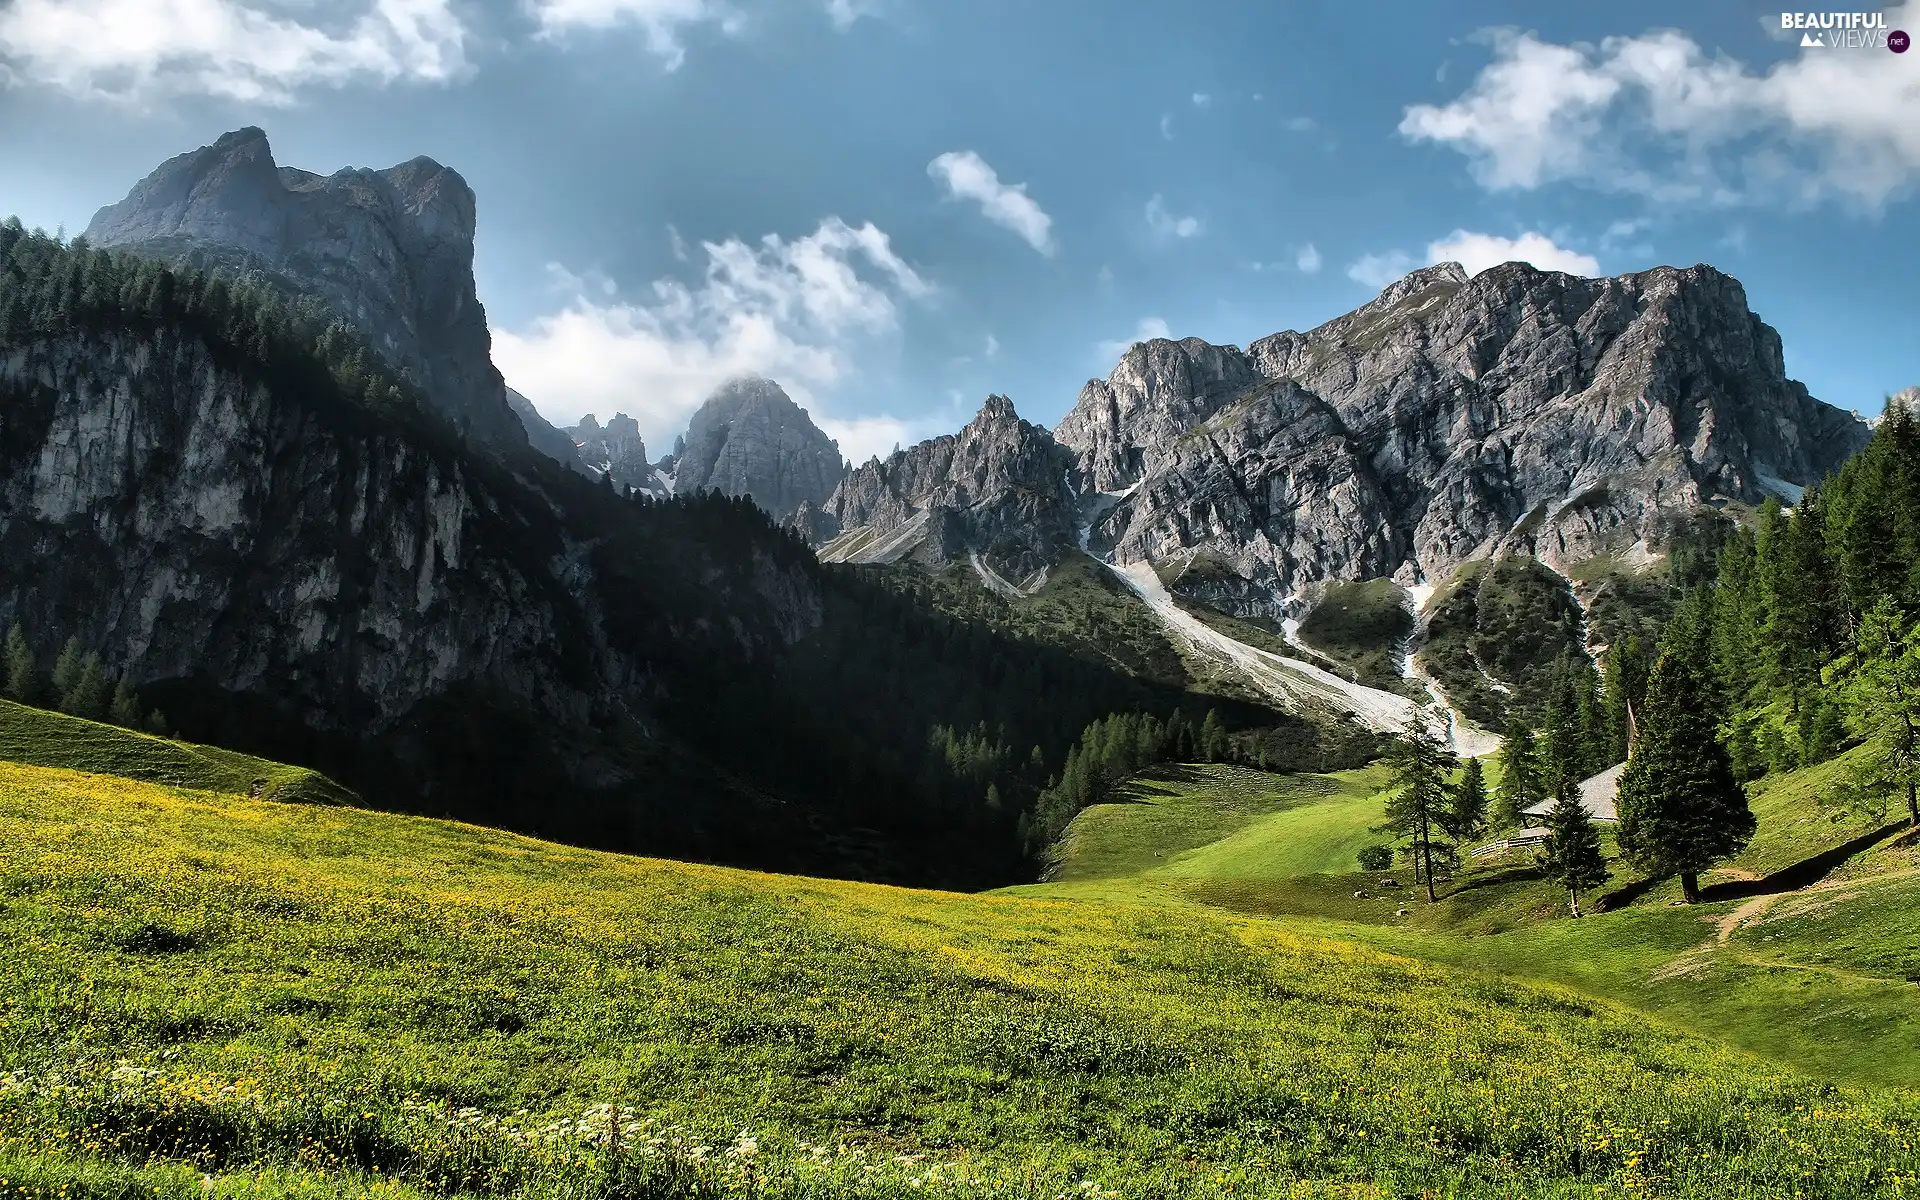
(1571, 856)
(1681, 809)
(1466, 813)
(23, 673)
(1520, 786)
(157, 723)
(1563, 757)
(1213, 738)
(1421, 761)
(1885, 696)
(125, 708)
(66, 674)
(90, 692)
(1622, 689)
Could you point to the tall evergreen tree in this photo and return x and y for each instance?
(66, 674)
(1681, 809)
(1418, 808)
(1520, 785)
(1571, 856)
(1885, 696)
(1466, 811)
(23, 673)
(89, 696)
(1622, 690)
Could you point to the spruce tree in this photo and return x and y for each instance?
(1681, 809)
(1520, 786)
(1571, 856)
(66, 674)
(1419, 806)
(1466, 812)
(90, 692)
(23, 673)
(1885, 696)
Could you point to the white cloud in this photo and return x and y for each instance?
(843, 13)
(255, 51)
(993, 346)
(1202, 101)
(1301, 124)
(863, 438)
(1656, 115)
(1379, 270)
(1148, 329)
(1166, 126)
(1307, 258)
(795, 311)
(969, 177)
(1165, 224)
(1478, 251)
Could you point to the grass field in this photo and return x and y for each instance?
(202, 993)
(1822, 979)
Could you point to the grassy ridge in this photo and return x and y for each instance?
(309, 1000)
(44, 738)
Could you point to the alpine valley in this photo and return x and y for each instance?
(1289, 700)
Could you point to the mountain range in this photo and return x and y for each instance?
(456, 614)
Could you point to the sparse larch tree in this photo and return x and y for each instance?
(1419, 807)
(23, 673)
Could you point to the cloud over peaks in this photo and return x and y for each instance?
(796, 311)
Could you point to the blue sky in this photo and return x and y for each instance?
(897, 206)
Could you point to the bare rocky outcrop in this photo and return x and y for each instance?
(544, 436)
(997, 488)
(750, 439)
(390, 252)
(1519, 409)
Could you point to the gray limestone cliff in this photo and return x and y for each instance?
(1449, 417)
(998, 489)
(615, 450)
(750, 439)
(390, 251)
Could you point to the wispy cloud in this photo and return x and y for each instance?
(248, 50)
(967, 176)
(1379, 270)
(1307, 259)
(1658, 116)
(1166, 224)
(793, 310)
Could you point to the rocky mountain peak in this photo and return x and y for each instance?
(750, 439)
(390, 251)
(997, 489)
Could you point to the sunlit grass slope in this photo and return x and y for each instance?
(304, 1000)
(1822, 979)
(52, 739)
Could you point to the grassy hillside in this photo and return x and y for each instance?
(43, 738)
(202, 994)
(1801, 955)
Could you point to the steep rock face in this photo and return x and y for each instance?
(750, 439)
(389, 251)
(997, 488)
(329, 574)
(1159, 390)
(1519, 409)
(543, 435)
(615, 450)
